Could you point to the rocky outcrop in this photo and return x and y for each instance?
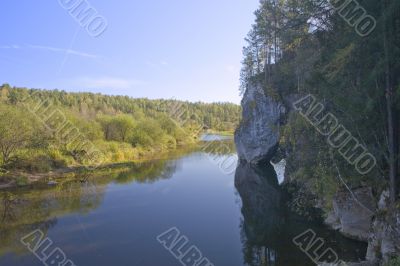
(353, 213)
(381, 228)
(257, 137)
(384, 241)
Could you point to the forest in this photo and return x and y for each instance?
(41, 130)
(345, 54)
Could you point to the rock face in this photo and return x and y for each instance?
(384, 241)
(353, 213)
(257, 137)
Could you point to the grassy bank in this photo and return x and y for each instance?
(49, 170)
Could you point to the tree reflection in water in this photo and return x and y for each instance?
(23, 210)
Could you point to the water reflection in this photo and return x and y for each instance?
(121, 209)
(215, 137)
(37, 207)
(219, 147)
(268, 228)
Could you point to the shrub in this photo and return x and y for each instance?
(393, 262)
(38, 164)
(21, 181)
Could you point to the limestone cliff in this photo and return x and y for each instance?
(257, 137)
(354, 213)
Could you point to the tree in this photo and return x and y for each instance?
(147, 134)
(315, 50)
(390, 100)
(16, 132)
(125, 125)
(117, 128)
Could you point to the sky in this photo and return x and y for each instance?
(175, 49)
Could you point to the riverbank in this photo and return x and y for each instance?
(23, 177)
(19, 178)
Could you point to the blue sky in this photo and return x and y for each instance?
(181, 49)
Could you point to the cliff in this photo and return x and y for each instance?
(257, 137)
(354, 214)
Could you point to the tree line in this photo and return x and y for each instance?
(315, 47)
(122, 128)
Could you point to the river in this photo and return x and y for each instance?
(123, 216)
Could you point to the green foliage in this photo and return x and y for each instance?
(117, 128)
(393, 262)
(21, 181)
(356, 79)
(17, 131)
(122, 128)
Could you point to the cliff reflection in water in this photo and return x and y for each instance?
(268, 228)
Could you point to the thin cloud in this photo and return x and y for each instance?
(51, 49)
(61, 50)
(10, 47)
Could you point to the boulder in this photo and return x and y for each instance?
(384, 241)
(353, 213)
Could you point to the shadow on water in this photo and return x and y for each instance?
(268, 228)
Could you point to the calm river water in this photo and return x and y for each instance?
(114, 217)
